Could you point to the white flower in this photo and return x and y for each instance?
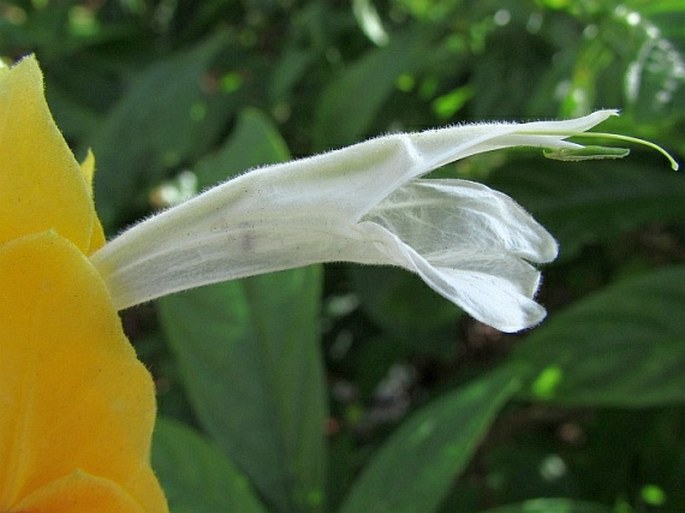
(366, 204)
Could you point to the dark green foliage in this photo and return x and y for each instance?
(351, 389)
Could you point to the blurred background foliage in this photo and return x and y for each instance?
(357, 390)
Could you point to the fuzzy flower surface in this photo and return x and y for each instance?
(365, 203)
(76, 406)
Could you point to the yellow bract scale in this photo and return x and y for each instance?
(42, 186)
(76, 406)
(97, 234)
(80, 493)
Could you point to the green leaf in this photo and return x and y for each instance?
(633, 58)
(254, 141)
(506, 77)
(166, 118)
(582, 204)
(624, 346)
(196, 476)
(552, 506)
(287, 72)
(654, 82)
(250, 360)
(416, 467)
(401, 303)
(78, 90)
(349, 103)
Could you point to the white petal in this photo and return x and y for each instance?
(468, 243)
(309, 210)
(441, 219)
(497, 290)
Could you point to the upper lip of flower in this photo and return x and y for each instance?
(339, 206)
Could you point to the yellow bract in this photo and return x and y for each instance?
(77, 408)
(41, 184)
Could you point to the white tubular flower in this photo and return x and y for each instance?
(366, 204)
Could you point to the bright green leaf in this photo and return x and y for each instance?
(415, 468)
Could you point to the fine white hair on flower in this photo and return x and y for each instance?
(364, 203)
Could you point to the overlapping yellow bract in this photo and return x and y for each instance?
(77, 408)
(41, 186)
